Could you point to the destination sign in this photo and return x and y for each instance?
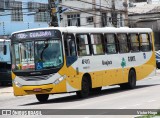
(37, 34)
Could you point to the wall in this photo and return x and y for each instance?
(7, 26)
(106, 6)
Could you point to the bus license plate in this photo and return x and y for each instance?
(37, 89)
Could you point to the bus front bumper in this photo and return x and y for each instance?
(40, 89)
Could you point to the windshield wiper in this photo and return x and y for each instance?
(45, 47)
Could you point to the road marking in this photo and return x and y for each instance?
(151, 101)
(136, 105)
(122, 107)
(88, 116)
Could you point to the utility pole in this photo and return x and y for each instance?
(94, 10)
(114, 14)
(54, 12)
(126, 13)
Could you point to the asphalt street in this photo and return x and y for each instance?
(144, 96)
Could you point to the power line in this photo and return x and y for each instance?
(99, 5)
(103, 6)
(79, 9)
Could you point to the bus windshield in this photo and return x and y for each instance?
(37, 55)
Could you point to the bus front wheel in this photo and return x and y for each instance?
(85, 88)
(42, 97)
(131, 84)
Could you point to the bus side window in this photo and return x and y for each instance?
(97, 44)
(134, 42)
(123, 43)
(110, 43)
(83, 44)
(70, 48)
(145, 42)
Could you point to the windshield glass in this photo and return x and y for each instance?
(37, 55)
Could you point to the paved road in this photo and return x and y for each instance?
(145, 96)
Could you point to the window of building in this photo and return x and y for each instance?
(97, 44)
(114, 19)
(83, 44)
(110, 43)
(123, 43)
(73, 20)
(2, 5)
(121, 20)
(140, 0)
(41, 16)
(104, 20)
(134, 42)
(145, 42)
(17, 14)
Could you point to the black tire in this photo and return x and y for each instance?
(85, 89)
(131, 84)
(96, 90)
(123, 86)
(4, 83)
(42, 97)
(158, 65)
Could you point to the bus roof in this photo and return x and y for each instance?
(74, 29)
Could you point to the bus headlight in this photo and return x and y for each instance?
(17, 84)
(59, 79)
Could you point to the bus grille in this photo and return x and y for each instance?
(37, 78)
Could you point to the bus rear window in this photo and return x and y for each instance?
(145, 42)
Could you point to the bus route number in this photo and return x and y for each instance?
(85, 61)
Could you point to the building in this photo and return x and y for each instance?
(22, 14)
(146, 15)
(94, 13)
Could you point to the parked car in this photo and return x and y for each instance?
(158, 60)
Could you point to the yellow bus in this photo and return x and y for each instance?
(75, 59)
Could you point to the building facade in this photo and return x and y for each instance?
(94, 13)
(22, 14)
(146, 15)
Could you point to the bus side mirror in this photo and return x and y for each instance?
(4, 49)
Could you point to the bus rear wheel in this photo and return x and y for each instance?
(85, 89)
(96, 90)
(131, 84)
(42, 97)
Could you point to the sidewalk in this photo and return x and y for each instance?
(6, 90)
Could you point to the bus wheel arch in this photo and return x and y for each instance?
(86, 85)
(132, 78)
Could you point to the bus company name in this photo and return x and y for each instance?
(34, 34)
(85, 61)
(131, 58)
(106, 62)
(40, 34)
